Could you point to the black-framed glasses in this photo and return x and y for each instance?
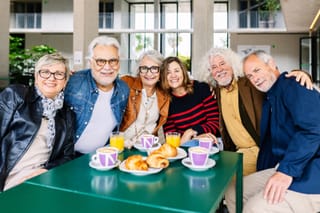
(101, 62)
(145, 69)
(46, 74)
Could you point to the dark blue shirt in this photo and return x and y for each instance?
(291, 130)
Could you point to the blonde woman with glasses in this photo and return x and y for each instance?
(36, 126)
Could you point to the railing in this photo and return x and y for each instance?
(105, 20)
(260, 19)
(26, 20)
(33, 20)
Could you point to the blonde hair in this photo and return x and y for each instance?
(54, 58)
(230, 57)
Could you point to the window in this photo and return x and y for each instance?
(171, 35)
(141, 18)
(26, 15)
(220, 24)
(176, 16)
(105, 15)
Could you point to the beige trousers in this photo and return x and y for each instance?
(253, 201)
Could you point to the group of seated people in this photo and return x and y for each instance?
(268, 116)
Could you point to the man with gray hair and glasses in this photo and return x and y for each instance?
(97, 95)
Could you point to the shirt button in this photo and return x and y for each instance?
(86, 123)
(91, 108)
(77, 136)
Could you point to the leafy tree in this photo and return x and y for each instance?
(22, 61)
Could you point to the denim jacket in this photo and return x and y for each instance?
(81, 95)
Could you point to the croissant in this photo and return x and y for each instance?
(136, 162)
(166, 150)
(157, 161)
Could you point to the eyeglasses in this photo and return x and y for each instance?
(101, 62)
(145, 69)
(46, 74)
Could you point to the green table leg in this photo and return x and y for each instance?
(239, 186)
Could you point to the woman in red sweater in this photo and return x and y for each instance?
(193, 111)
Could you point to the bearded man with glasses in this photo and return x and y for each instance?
(97, 96)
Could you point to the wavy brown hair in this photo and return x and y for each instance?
(187, 83)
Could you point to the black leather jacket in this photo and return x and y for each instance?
(20, 119)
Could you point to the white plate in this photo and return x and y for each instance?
(187, 163)
(150, 171)
(181, 154)
(96, 166)
(214, 150)
(139, 147)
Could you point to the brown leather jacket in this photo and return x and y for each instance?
(250, 107)
(134, 102)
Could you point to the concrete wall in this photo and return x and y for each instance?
(56, 15)
(283, 47)
(61, 42)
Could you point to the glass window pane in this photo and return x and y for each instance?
(20, 17)
(169, 44)
(220, 19)
(184, 43)
(149, 16)
(220, 24)
(220, 39)
(184, 16)
(169, 15)
(30, 20)
(140, 42)
(137, 16)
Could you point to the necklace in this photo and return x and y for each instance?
(145, 110)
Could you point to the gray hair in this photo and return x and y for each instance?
(50, 59)
(154, 55)
(262, 55)
(230, 57)
(103, 40)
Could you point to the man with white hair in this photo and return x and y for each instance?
(97, 95)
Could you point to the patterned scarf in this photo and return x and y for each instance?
(50, 107)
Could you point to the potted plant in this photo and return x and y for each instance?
(268, 10)
(272, 6)
(22, 61)
(263, 18)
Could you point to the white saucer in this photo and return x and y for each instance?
(96, 166)
(214, 150)
(139, 147)
(150, 170)
(187, 163)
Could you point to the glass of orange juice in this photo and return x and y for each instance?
(117, 140)
(173, 138)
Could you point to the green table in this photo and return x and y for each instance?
(78, 187)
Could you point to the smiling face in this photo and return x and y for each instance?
(175, 77)
(148, 78)
(51, 87)
(262, 75)
(106, 74)
(221, 71)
